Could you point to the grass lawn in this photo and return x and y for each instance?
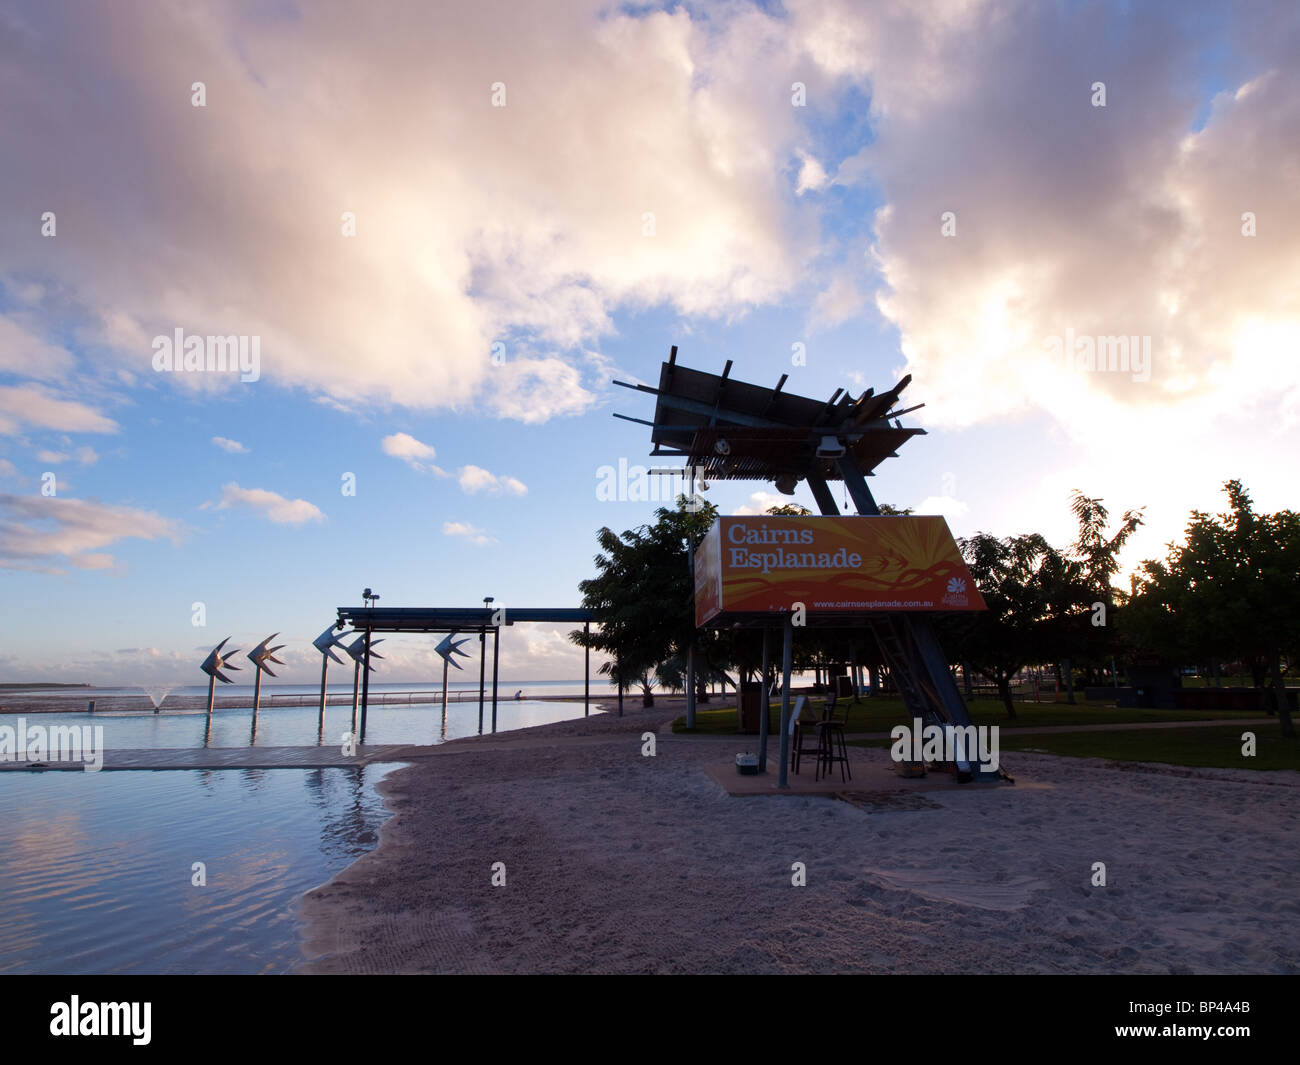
(882, 714)
(1216, 747)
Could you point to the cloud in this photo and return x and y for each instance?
(476, 479)
(419, 456)
(1122, 221)
(945, 505)
(466, 531)
(760, 502)
(233, 446)
(41, 533)
(23, 353)
(271, 505)
(8, 469)
(654, 142)
(535, 390)
(40, 408)
(87, 456)
(812, 175)
(836, 304)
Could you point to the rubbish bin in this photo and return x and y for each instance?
(749, 705)
(844, 687)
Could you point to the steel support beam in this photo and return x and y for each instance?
(856, 483)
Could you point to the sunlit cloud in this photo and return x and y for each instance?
(475, 479)
(271, 505)
(419, 456)
(46, 533)
(466, 531)
(34, 406)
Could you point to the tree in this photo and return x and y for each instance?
(1018, 577)
(1081, 631)
(643, 596)
(1230, 590)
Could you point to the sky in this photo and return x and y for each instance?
(443, 230)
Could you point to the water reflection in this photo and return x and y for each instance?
(98, 868)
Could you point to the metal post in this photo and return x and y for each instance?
(324, 670)
(690, 651)
(356, 693)
(444, 691)
(482, 667)
(618, 674)
(257, 698)
(690, 687)
(586, 668)
(365, 685)
(496, 645)
(764, 711)
(212, 687)
(787, 660)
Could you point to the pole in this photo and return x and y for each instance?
(764, 711)
(690, 687)
(482, 667)
(365, 685)
(586, 668)
(324, 670)
(356, 690)
(787, 660)
(257, 699)
(496, 661)
(444, 689)
(618, 674)
(690, 651)
(207, 731)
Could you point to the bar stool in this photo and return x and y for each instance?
(831, 748)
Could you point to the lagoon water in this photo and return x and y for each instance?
(300, 726)
(97, 870)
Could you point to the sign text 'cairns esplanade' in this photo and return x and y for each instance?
(757, 565)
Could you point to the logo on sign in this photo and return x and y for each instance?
(956, 594)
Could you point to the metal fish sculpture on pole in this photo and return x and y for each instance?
(448, 647)
(260, 656)
(212, 666)
(325, 644)
(357, 652)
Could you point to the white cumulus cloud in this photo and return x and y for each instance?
(476, 479)
(271, 505)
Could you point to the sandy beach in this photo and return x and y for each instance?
(620, 863)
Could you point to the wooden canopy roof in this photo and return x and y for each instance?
(734, 430)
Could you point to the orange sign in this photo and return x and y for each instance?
(767, 564)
